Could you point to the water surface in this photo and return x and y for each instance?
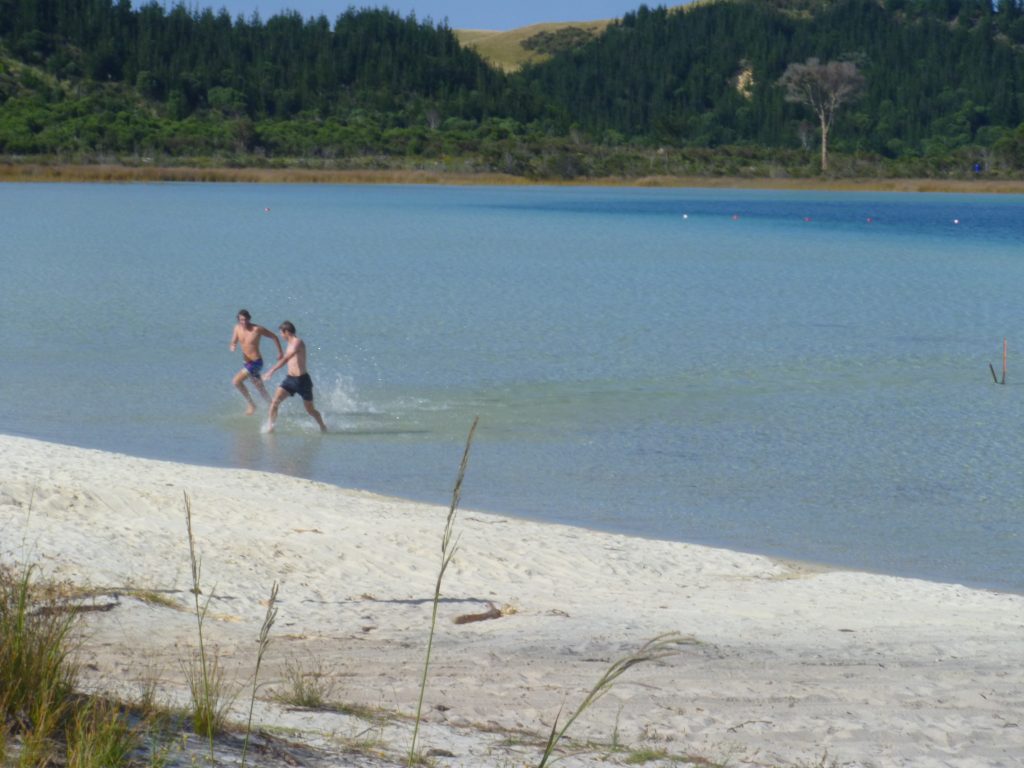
(795, 374)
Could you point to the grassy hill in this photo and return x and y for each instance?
(512, 49)
(505, 50)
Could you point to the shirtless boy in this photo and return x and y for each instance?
(248, 334)
(297, 382)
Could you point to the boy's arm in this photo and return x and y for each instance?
(281, 363)
(271, 335)
(234, 339)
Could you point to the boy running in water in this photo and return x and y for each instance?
(297, 382)
(248, 334)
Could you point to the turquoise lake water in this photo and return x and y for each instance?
(794, 374)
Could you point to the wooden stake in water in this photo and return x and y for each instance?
(1004, 361)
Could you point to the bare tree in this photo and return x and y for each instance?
(824, 88)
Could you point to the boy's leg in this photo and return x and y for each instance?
(312, 411)
(258, 383)
(239, 382)
(274, 404)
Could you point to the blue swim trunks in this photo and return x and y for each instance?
(254, 367)
(298, 385)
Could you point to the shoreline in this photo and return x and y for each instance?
(782, 664)
(790, 562)
(119, 174)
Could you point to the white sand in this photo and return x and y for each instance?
(787, 663)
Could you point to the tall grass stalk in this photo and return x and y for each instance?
(657, 648)
(206, 682)
(264, 642)
(448, 548)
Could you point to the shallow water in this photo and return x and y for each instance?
(796, 374)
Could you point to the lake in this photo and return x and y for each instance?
(799, 374)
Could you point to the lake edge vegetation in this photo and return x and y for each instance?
(694, 91)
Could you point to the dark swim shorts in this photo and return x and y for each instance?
(254, 367)
(298, 385)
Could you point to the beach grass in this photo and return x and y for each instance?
(308, 686)
(656, 649)
(203, 671)
(449, 545)
(39, 707)
(100, 736)
(262, 644)
(37, 665)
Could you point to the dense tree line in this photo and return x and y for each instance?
(191, 60)
(935, 71)
(943, 87)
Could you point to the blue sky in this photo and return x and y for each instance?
(461, 14)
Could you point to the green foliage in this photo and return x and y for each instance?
(191, 59)
(1010, 148)
(557, 41)
(942, 81)
(672, 75)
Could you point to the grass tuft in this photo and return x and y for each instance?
(207, 688)
(310, 688)
(37, 669)
(660, 647)
(646, 755)
(100, 736)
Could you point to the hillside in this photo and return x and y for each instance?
(510, 50)
(656, 92)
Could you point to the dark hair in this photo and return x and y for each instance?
(244, 313)
(287, 326)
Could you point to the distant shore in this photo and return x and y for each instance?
(114, 173)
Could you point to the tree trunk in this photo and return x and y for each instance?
(824, 145)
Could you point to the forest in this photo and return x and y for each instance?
(689, 91)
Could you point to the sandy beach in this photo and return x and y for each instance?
(781, 664)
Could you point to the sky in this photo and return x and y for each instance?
(461, 14)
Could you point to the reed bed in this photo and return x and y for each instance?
(122, 174)
(113, 173)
